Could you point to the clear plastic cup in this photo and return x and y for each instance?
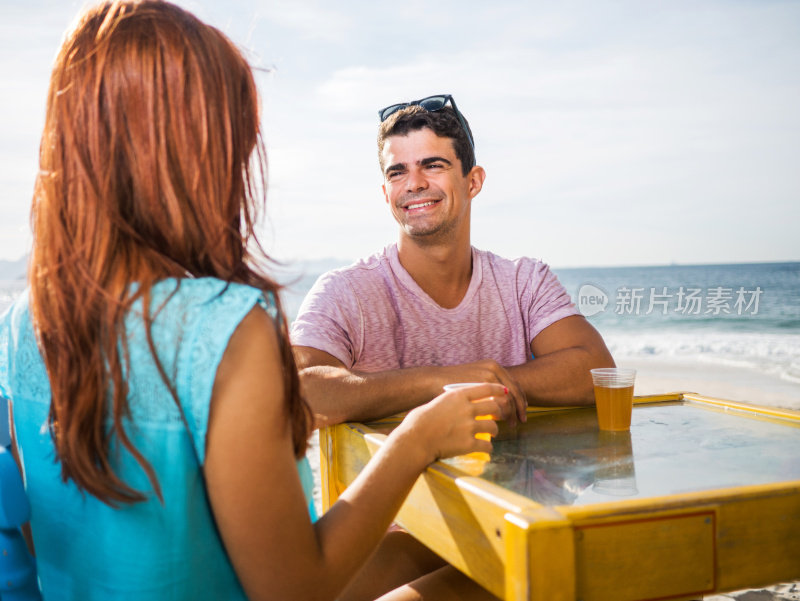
(613, 395)
(505, 431)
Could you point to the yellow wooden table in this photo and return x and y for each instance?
(702, 496)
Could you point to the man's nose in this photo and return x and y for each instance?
(416, 180)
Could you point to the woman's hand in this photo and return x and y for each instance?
(447, 425)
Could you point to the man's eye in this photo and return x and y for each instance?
(393, 174)
(435, 165)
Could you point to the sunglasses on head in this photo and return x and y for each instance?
(432, 104)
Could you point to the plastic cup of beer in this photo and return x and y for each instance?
(475, 462)
(456, 386)
(613, 395)
(505, 431)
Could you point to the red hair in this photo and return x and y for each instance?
(151, 166)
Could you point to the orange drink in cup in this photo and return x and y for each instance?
(613, 395)
(449, 387)
(480, 457)
(506, 430)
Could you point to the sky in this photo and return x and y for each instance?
(624, 132)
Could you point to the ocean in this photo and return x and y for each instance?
(745, 316)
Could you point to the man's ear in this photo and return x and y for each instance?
(385, 195)
(475, 178)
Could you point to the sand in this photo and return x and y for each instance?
(788, 591)
(654, 376)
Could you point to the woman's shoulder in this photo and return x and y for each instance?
(188, 312)
(205, 296)
(203, 290)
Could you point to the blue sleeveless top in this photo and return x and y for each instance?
(146, 551)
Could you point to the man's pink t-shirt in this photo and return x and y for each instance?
(373, 316)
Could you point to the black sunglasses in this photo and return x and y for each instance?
(432, 104)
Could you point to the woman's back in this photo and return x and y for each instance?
(152, 168)
(87, 549)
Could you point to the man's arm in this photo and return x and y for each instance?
(337, 394)
(564, 353)
(559, 375)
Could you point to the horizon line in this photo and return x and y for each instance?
(346, 261)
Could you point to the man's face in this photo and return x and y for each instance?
(424, 187)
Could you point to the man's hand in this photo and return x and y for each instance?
(559, 375)
(514, 406)
(337, 394)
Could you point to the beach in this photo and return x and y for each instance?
(785, 591)
(656, 376)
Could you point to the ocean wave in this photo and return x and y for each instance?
(792, 374)
(772, 353)
(788, 324)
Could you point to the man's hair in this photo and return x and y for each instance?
(444, 123)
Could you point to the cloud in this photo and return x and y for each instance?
(312, 20)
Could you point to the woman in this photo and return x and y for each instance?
(154, 396)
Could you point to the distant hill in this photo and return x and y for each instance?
(13, 270)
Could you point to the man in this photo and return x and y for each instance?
(385, 334)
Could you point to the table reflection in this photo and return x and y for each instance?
(561, 457)
(555, 456)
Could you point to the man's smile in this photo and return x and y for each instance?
(419, 204)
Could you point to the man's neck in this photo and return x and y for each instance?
(442, 271)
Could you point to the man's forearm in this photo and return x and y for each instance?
(561, 377)
(337, 394)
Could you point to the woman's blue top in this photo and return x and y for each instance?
(146, 551)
